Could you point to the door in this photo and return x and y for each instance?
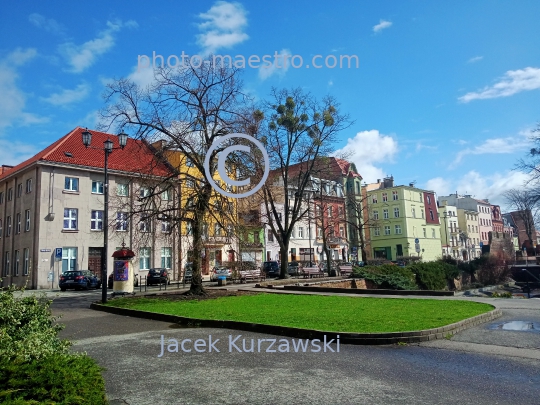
(94, 260)
(399, 250)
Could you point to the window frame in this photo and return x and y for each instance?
(96, 221)
(97, 184)
(27, 220)
(71, 184)
(70, 218)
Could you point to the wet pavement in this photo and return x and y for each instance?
(479, 365)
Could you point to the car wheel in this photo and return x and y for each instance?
(62, 289)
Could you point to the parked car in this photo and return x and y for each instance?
(271, 269)
(158, 276)
(111, 279)
(220, 271)
(293, 268)
(79, 280)
(188, 272)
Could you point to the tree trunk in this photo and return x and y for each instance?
(284, 257)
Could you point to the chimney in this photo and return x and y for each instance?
(388, 182)
(5, 169)
(411, 184)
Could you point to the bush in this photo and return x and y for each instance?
(387, 276)
(430, 275)
(35, 366)
(27, 329)
(53, 379)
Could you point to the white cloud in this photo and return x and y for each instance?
(279, 67)
(506, 145)
(475, 59)
(491, 187)
(513, 81)
(47, 24)
(68, 96)
(368, 148)
(81, 57)
(383, 24)
(222, 27)
(13, 100)
(12, 153)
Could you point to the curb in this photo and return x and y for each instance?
(345, 337)
(367, 291)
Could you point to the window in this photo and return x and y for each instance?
(414, 213)
(377, 231)
(300, 232)
(385, 196)
(428, 199)
(69, 259)
(19, 190)
(341, 232)
(396, 212)
(431, 214)
(6, 264)
(385, 213)
(375, 214)
(122, 190)
(190, 184)
(1, 197)
(96, 220)
(26, 221)
(97, 187)
(357, 188)
(26, 263)
(10, 194)
(425, 234)
(397, 229)
(71, 184)
(144, 192)
(121, 221)
(394, 195)
(420, 195)
(422, 213)
(144, 258)
(433, 233)
(166, 195)
(189, 228)
(270, 236)
(217, 230)
(8, 226)
(18, 223)
(145, 224)
(166, 259)
(319, 232)
(165, 226)
(16, 260)
(340, 212)
(374, 198)
(70, 218)
(387, 229)
(330, 211)
(189, 162)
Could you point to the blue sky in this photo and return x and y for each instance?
(445, 93)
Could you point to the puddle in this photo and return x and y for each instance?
(526, 326)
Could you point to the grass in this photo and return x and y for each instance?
(336, 314)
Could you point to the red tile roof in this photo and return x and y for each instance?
(135, 157)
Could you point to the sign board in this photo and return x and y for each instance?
(481, 244)
(58, 253)
(416, 240)
(50, 276)
(44, 250)
(417, 247)
(354, 250)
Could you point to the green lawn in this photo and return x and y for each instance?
(327, 313)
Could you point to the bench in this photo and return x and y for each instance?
(309, 272)
(245, 275)
(345, 270)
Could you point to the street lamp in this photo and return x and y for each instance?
(107, 148)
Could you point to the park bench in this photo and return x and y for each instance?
(345, 270)
(309, 272)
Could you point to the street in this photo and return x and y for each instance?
(479, 365)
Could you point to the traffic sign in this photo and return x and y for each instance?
(416, 240)
(417, 247)
(481, 244)
(58, 253)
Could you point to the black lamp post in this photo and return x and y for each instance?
(107, 148)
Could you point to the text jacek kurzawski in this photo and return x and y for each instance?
(237, 344)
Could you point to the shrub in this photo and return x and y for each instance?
(493, 270)
(430, 275)
(27, 329)
(387, 276)
(53, 379)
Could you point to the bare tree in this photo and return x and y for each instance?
(526, 204)
(188, 109)
(298, 130)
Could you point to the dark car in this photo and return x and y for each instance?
(158, 276)
(219, 272)
(271, 269)
(293, 268)
(79, 280)
(110, 281)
